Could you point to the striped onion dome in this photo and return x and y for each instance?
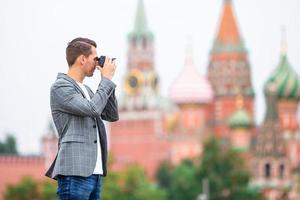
(240, 119)
(190, 86)
(284, 79)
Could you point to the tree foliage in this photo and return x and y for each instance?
(131, 184)
(9, 145)
(29, 189)
(225, 171)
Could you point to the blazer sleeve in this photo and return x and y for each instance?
(110, 112)
(65, 98)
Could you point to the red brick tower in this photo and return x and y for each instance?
(270, 166)
(138, 136)
(229, 72)
(287, 84)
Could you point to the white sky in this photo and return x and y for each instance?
(34, 35)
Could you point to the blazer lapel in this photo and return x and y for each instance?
(76, 85)
(91, 93)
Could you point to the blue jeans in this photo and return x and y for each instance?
(79, 188)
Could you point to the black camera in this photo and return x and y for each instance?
(101, 60)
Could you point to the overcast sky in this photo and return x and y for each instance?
(34, 35)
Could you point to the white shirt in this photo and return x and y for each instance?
(98, 168)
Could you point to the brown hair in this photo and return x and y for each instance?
(77, 47)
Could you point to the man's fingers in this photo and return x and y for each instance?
(108, 59)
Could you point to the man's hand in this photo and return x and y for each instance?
(108, 69)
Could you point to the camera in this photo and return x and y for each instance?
(101, 60)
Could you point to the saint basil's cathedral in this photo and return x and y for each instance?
(153, 128)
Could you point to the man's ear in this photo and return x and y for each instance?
(82, 59)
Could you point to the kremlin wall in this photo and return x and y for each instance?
(153, 128)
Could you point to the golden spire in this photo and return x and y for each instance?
(239, 101)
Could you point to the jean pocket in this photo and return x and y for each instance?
(63, 189)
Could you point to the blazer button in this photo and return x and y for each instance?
(95, 141)
(94, 126)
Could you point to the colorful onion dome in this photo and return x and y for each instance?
(190, 86)
(285, 80)
(240, 118)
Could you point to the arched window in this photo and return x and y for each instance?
(281, 171)
(134, 42)
(144, 43)
(267, 170)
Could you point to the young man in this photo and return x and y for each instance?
(77, 114)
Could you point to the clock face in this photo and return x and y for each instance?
(153, 80)
(133, 82)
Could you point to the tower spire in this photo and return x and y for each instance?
(283, 41)
(140, 29)
(189, 52)
(140, 25)
(228, 30)
(239, 101)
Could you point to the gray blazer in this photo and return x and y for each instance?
(76, 120)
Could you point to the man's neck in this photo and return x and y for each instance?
(76, 74)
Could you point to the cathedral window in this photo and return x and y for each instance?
(144, 43)
(267, 170)
(219, 110)
(285, 120)
(134, 42)
(281, 171)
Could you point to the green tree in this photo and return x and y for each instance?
(164, 174)
(26, 190)
(226, 172)
(29, 189)
(183, 184)
(111, 187)
(136, 186)
(131, 184)
(9, 145)
(48, 190)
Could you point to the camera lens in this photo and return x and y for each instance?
(101, 61)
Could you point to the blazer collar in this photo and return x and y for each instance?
(68, 78)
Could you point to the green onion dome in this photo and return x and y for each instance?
(240, 119)
(284, 82)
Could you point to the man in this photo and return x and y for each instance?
(77, 114)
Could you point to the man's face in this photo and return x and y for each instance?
(90, 64)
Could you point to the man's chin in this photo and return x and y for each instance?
(90, 75)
